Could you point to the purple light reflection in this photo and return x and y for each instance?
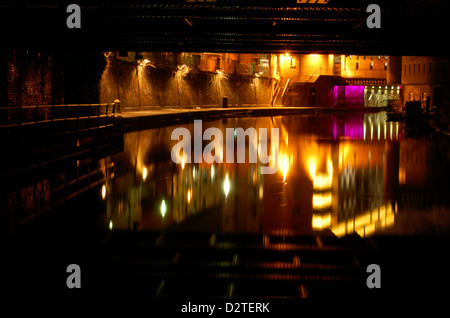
(349, 96)
(348, 127)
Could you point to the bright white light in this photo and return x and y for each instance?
(226, 186)
(110, 224)
(189, 196)
(183, 162)
(144, 173)
(103, 192)
(163, 208)
(212, 172)
(330, 167)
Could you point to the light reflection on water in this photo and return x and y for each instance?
(344, 173)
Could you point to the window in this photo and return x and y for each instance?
(371, 66)
(405, 69)
(385, 66)
(424, 67)
(357, 65)
(414, 68)
(431, 67)
(409, 69)
(292, 61)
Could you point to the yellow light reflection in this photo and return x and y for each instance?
(401, 176)
(226, 186)
(321, 200)
(284, 166)
(321, 221)
(367, 223)
(189, 196)
(330, 167)
(322, 181)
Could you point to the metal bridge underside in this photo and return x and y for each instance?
(407, 27)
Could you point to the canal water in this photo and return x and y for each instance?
(336, 173)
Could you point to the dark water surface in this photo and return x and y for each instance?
(353, 173)
(140, 225)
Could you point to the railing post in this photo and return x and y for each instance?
(89, 115)
(52, 128)
(78, 117)
(65, 117)
(113, 114)
(117, 104)
(106, 115)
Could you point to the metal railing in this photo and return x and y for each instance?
(57, 118)
(54, 190)
(285, 92)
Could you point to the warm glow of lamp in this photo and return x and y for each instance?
(110, 225)
(103, 192)
(226, 186)
(313, 58)
(321, 200)
(322, 181)
(321, 221)
(330, 167)
(189, 196)
(312, 168)
(284, 164)
(144, 173)
(163, 208)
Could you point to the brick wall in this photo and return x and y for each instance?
(28, 79)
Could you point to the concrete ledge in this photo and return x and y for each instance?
(139, 120)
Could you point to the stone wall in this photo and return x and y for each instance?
(145, 86)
